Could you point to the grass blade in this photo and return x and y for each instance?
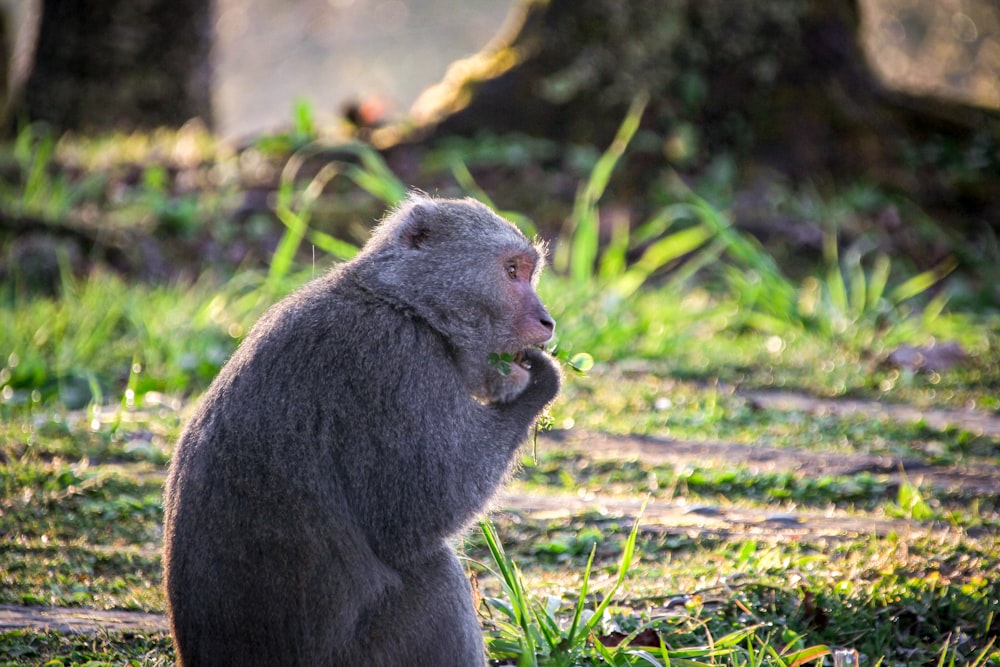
(878, 279)
(659, 255)
(923, 281)
(571, 635)
(836, 290)
(510, 578)
(623, 568)
(577, 255)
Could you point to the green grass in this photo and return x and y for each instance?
(655, 402)
(54, 649)
(894, 598)
(80, 512)
(655, 290)
(104, 340)
(682, 314)
(532, 633)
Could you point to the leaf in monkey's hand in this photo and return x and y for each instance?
(581, 362)
(501, 361)
(545, 422)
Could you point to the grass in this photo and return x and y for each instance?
(883, 596)
(531, 633)
(683, 315)
(80, 511)
(54, 649)
(103, 338)
(652, 402)
(860, 492)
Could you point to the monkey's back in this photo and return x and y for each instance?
(257, 521)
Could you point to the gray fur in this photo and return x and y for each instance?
(358, 427)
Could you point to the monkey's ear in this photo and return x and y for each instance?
(416, 229)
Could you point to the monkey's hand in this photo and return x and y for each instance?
(543, 376)
(530, 374)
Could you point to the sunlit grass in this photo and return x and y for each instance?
(103, 338)
(878, 595)
(682, 288)
(683, 315)
(31, 647)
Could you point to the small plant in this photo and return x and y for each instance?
(40, 191)
(578, 252)
(846, 302)
(597, 282)
(534, 634)
(910, 502)
(950, 653)
(855, 303)
(501, 361)
(302, 132)
(294, 207)
(531, 632)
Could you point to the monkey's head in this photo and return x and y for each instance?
(468, 272)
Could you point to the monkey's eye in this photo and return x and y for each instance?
(511, 270)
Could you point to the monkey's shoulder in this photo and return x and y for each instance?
(332, 332)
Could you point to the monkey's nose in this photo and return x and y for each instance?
(548, 328)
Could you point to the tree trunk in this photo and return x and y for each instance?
(5, 51)
(781, 84)
(121, 64)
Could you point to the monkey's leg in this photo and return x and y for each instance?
(429, 621)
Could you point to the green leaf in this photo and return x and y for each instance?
(878, 279)
(500, 361)
(581, 362)
(923, 281)
(577, 256)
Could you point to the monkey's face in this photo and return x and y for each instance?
(516, 322)
(471, 275)
(524, 322)
(530, 323)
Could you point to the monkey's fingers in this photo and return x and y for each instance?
(522, 360)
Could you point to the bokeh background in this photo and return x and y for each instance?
(268, 53)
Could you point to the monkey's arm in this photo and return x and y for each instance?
(438, 460)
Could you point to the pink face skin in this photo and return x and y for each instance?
(533, 326)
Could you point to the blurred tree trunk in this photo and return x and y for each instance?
(120, 64)
(5, 51)
(782, 84)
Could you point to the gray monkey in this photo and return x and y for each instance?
(358, 427)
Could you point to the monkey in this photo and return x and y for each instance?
(313, 497)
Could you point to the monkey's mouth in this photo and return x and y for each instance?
(521, 357)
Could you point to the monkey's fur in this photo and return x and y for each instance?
(357, 428)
